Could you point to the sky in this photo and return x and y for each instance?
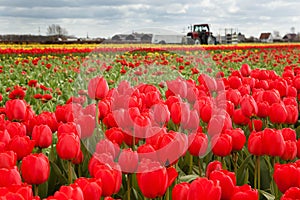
(105, 18)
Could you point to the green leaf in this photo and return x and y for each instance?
(243, 171)
(267, 195)
(188, 178)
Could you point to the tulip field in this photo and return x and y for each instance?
(90, 122)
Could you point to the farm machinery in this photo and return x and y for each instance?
(200, 34)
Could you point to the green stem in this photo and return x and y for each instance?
(36, 190)
(190, 163)
(128, 187)
(200, 166)
(168, 194)
(70, 172)
(257, 173)
(235, 159)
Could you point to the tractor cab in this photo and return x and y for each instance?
(200, 33)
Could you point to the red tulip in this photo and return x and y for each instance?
(239, 118)
(15, 109)
(4, 137)
(147, 151)
(70, 127)
(180, 113)
(72, 191)
(23, 146)
(221, 145)
(286, 176)
(178, 87)
(227, 182)
(248, 106)
(91, 187)
(47, 118)
(234, 96)
(42, 135)
(68, 146)
(35, 168)
(204, 189)
(115, 135)
(290, 151)
(263, 109)
(87, 125)
(180, 191)
(152, 172)
(255, 143)
(198, 143)
(111, 176)
(128, 160)
(293, 193)
(9, 177)
(161, 114)
(245, 70)
(97, 88)
(16, 128)
(234, 82)
(244, 193)
(8, 159)
(213, 166)
(278, 113)
(288, 134)
(270, 138)
(238, 138)
(172, 175)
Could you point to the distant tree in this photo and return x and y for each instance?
(56, 29)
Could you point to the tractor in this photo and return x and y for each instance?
(200, 34)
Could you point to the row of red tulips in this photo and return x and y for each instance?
(117, 141)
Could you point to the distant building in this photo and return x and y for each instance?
(131, 38)
(266, 37)
(290, 37)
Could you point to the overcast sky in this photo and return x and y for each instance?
(104, 18)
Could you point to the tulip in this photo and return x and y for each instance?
(180, 191)
(227, 181)
(9, 177)
(42, 135)
(87, 125)
(35, 168)
(68, 192)
(97, 88)
(248, 106)
(255, 143)
(8, 159)
(152, 172)
(293, 193)
(286, 176)
(204, 189)
(15, 109)
(115, 135)
(213, 166)
(198, 143)
(111, 176)
(68, 146)
(290, 151)
(244, 192)
(245, 70)
(21, 145)
(238, 138)
(221, 145)
(91, 187)
(278, 113)
(128, 160)
(16, 128)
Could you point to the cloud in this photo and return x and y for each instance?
(103, 18)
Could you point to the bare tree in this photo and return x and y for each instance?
(56, 29)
